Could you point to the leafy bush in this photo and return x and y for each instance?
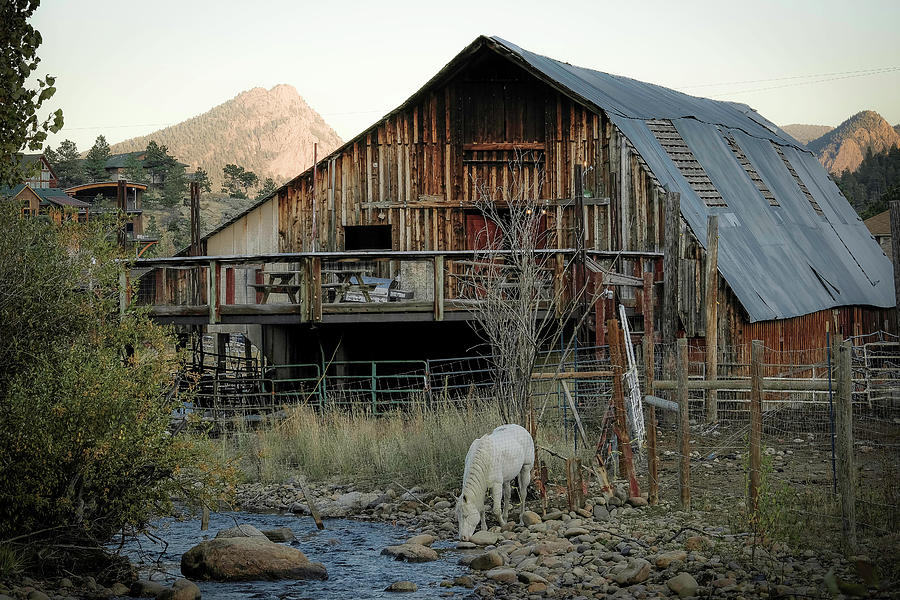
(84, 408)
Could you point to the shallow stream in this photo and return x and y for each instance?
(350, 550)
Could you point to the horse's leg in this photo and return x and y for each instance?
(497, 493)
(524, 480)
(507, 498)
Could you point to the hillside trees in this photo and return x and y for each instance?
(84, 397)
(134, 169)
(869, 187)
(202, 179)
(95, 161)
(167, 170)
(67, 164)
(238, 180)
(19, 105)
(266, 189)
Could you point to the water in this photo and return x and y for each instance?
(350, 550)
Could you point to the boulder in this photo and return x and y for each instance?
(281, 534)
(486, 561)
(683, 584)
(637, 501)
(666, 558)
(601, 513)
(502, 575)
(634, 571)
(182, 589)
(402, 586)
(242, 530)
(484, 538)
(119, 589)
(422, 539)
(531, 518)
(247, 559)
(411, 552)
(143, 588)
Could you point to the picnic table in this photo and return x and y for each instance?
(280, 282)
(348, 279)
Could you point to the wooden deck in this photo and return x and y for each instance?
(323, 287)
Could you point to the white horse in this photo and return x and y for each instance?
(492, 462)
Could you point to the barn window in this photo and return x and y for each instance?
(677, 149)
(751, 171)
(803, 188)
(367, 237)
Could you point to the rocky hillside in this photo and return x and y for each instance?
(844, 147)
(270, 132)
(806, 133)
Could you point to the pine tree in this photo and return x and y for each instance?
(95, 162)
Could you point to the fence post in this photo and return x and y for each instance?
(844, 429)
(374, 387)
(212, 294)
(684, 428)
(756, 355)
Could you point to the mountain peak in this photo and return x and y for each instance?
(844, 147)
(270, 132)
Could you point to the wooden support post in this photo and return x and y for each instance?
(846, 475)
(895, 256)
(672, 234)
(559, 269)
(599, 317)
(684, 427)
(315, 288)
(221, 351)
(712, 313)
(212, 292)
(756, 360)
(204, 519)
(652, 456)
(439, 288)
(574, 484)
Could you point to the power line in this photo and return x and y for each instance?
(776, 87)
(873, 71)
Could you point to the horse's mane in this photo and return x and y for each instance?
(475, 476)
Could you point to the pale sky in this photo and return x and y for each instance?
(127, 68)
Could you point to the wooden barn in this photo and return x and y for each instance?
(629, 171)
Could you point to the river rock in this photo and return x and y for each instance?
(530, 518)
(634, 571)
(144, 588)
(37, 595)
(637, 501)
(683, 584)
(119, 589)
(486, 561)
(484, 538)
(247, 559)
(242, 530)
(502, 575)
(182, 589)
(411, 552)
(601, 513)
(422, 539)
(281, 534)
(402, 586)
(666, 558)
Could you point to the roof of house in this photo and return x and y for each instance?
(789, 243)
(118, 161)
(55, 196)
(880, 224)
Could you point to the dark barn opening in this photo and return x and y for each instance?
(367, 237)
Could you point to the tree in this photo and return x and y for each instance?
(19, 105)
(202, 179)
(268, 187)
(96, 159)
(238, 181)
(67, 164)
(134, 169)
(512, 284)
(167, 172)
(85, 396)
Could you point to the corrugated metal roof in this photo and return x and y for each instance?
(808, 253)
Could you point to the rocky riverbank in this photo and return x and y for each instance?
(617, 548)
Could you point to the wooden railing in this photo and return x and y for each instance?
(310, 286)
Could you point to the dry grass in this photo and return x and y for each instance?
(417, 447)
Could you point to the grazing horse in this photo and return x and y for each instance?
(492, 462)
